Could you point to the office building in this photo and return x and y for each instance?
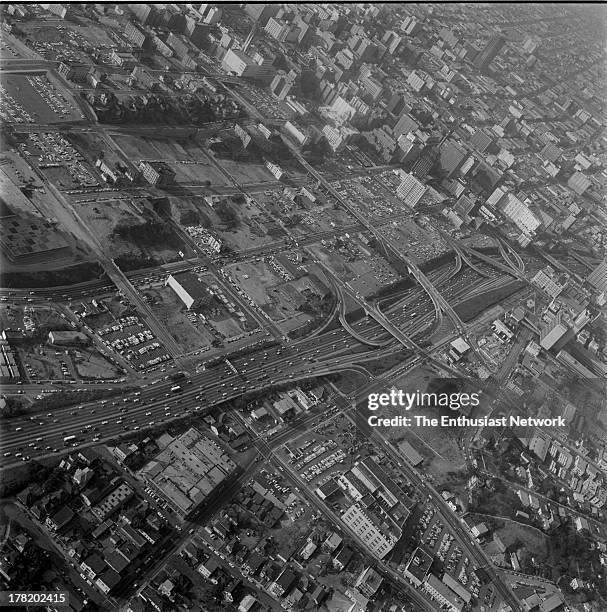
(519, 214)
(370, 529)
(482, 140)
(74, 71)
(488, 54)
(404, 125)
(547, 281)
(411, 189)
(136, 36)
(261, 12)
(418, 566)
(598, 277)
(191, 291)
(552, 331)
(451, 157)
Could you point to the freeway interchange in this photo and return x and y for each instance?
(155, 404)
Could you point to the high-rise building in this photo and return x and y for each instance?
(370, 529)
(598, 277)
(520, 215)
(405, 125)
(134, 35)
(261, 12)
(411, 190)
(482, 140)
(451, 157)
(552, 331)
(488, 54)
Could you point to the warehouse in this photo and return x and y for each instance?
(192, 292)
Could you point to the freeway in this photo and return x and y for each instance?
(440, 303)
(314, 356)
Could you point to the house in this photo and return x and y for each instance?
(93, 565)
(60, 518)
(116, 561)
(107, 581)
(342, 558)
(283, 583)
(208, 568)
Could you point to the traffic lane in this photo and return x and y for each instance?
(114, 432)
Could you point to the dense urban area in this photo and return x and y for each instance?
(233, 234)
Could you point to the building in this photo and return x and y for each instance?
(547, 281)
(418, 566)
(489, 53)
(370, 529)
(111, 502)
(157, 173)
(410, 454)
(598, 277)
(261, 12)
(411, 189)
(189, 289)
(579, 182)
(368, 582)
(188, 469)
(442, 594)
(74, 71)
(296, 133)
(283, 583)
(520, 214)
(136, 36)
(552, 331)
(451, 157)
(67, 337)
(404, 125)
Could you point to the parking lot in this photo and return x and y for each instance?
(36, 98)
(439, 542)
(131, 339)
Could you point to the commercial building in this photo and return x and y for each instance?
(191, 291)
(187, 470)
(579, 182)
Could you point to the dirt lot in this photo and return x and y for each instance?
(247, 173)
(438, 445)
(93, 365)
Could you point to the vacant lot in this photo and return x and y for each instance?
(181, 324)
(90, 364)
(247, 173)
